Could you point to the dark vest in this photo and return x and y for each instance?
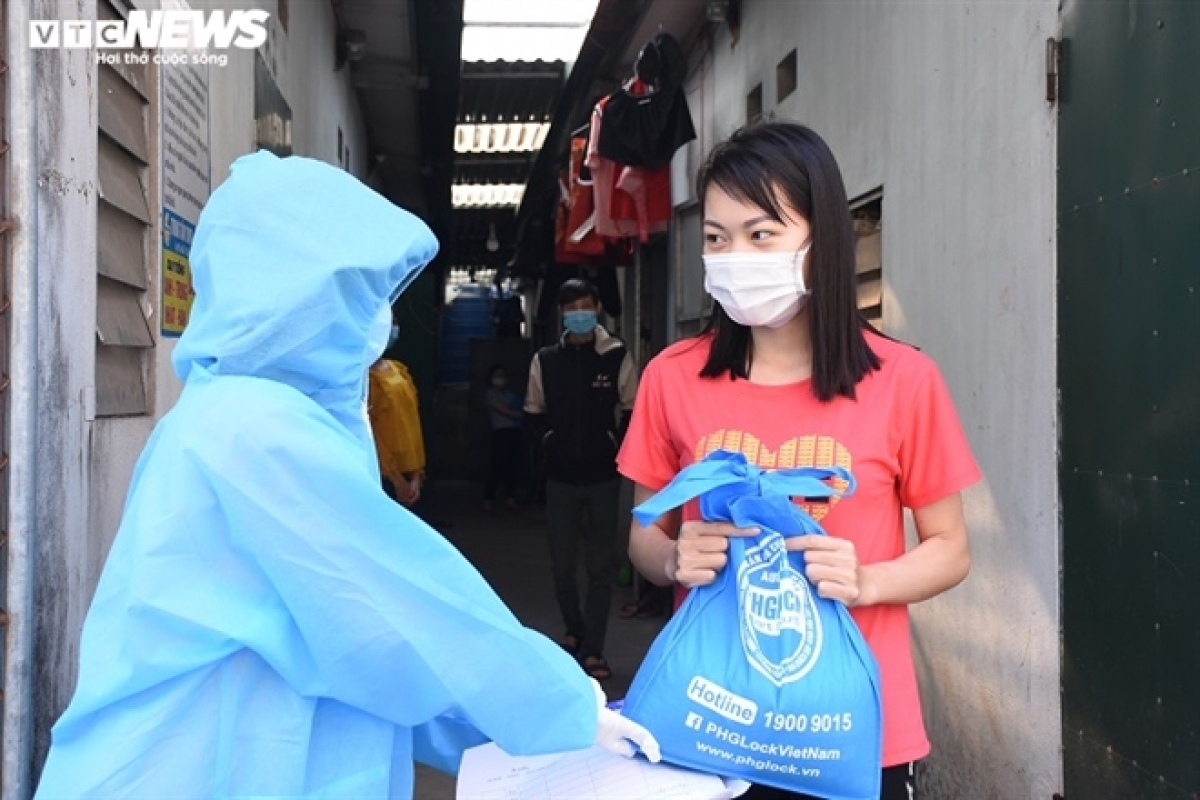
(582, 398)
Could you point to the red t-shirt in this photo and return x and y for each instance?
(901, 439)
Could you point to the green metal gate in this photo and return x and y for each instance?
(1129, 373)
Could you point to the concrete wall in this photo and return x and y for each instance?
(64, 569)
(85, 464)
(942, 104)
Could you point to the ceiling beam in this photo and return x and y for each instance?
(501, 76)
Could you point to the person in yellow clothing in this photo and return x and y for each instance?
(392, 410)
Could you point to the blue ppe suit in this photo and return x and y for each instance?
(268, 622)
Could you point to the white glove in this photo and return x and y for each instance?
(618, 734)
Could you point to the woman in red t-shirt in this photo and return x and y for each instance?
(788, 374)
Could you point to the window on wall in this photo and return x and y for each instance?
(124, 336)
(785, 77)
(754, 105)
(867, 212)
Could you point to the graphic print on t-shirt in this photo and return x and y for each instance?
(799, 451)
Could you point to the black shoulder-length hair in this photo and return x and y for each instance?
(772, 165)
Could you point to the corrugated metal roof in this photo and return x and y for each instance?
(501, 41)
(500, 137)
(492, 167)
(529, 12)
(487, 195)
(509, 91)
(503, 115)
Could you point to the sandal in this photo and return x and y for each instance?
(570, 643)
(597, 667)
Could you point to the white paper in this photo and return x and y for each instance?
(488, 773)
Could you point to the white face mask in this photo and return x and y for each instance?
(377, 335)
(377, 342)
(757, 289)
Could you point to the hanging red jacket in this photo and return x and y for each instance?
(576, 239)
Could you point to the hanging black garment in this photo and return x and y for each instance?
(645, 130)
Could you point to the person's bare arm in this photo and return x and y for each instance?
(409, 492)
(939, 562)
(694, 559)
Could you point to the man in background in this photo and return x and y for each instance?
(580, 395)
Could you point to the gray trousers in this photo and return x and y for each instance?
(587, 513)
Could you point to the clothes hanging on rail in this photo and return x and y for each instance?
(617, 186)
(575, 239)
(644, 128)
(630, 201)
(581, 239)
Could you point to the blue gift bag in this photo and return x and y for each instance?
(756, 676)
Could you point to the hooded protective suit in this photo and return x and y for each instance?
(268, 622)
